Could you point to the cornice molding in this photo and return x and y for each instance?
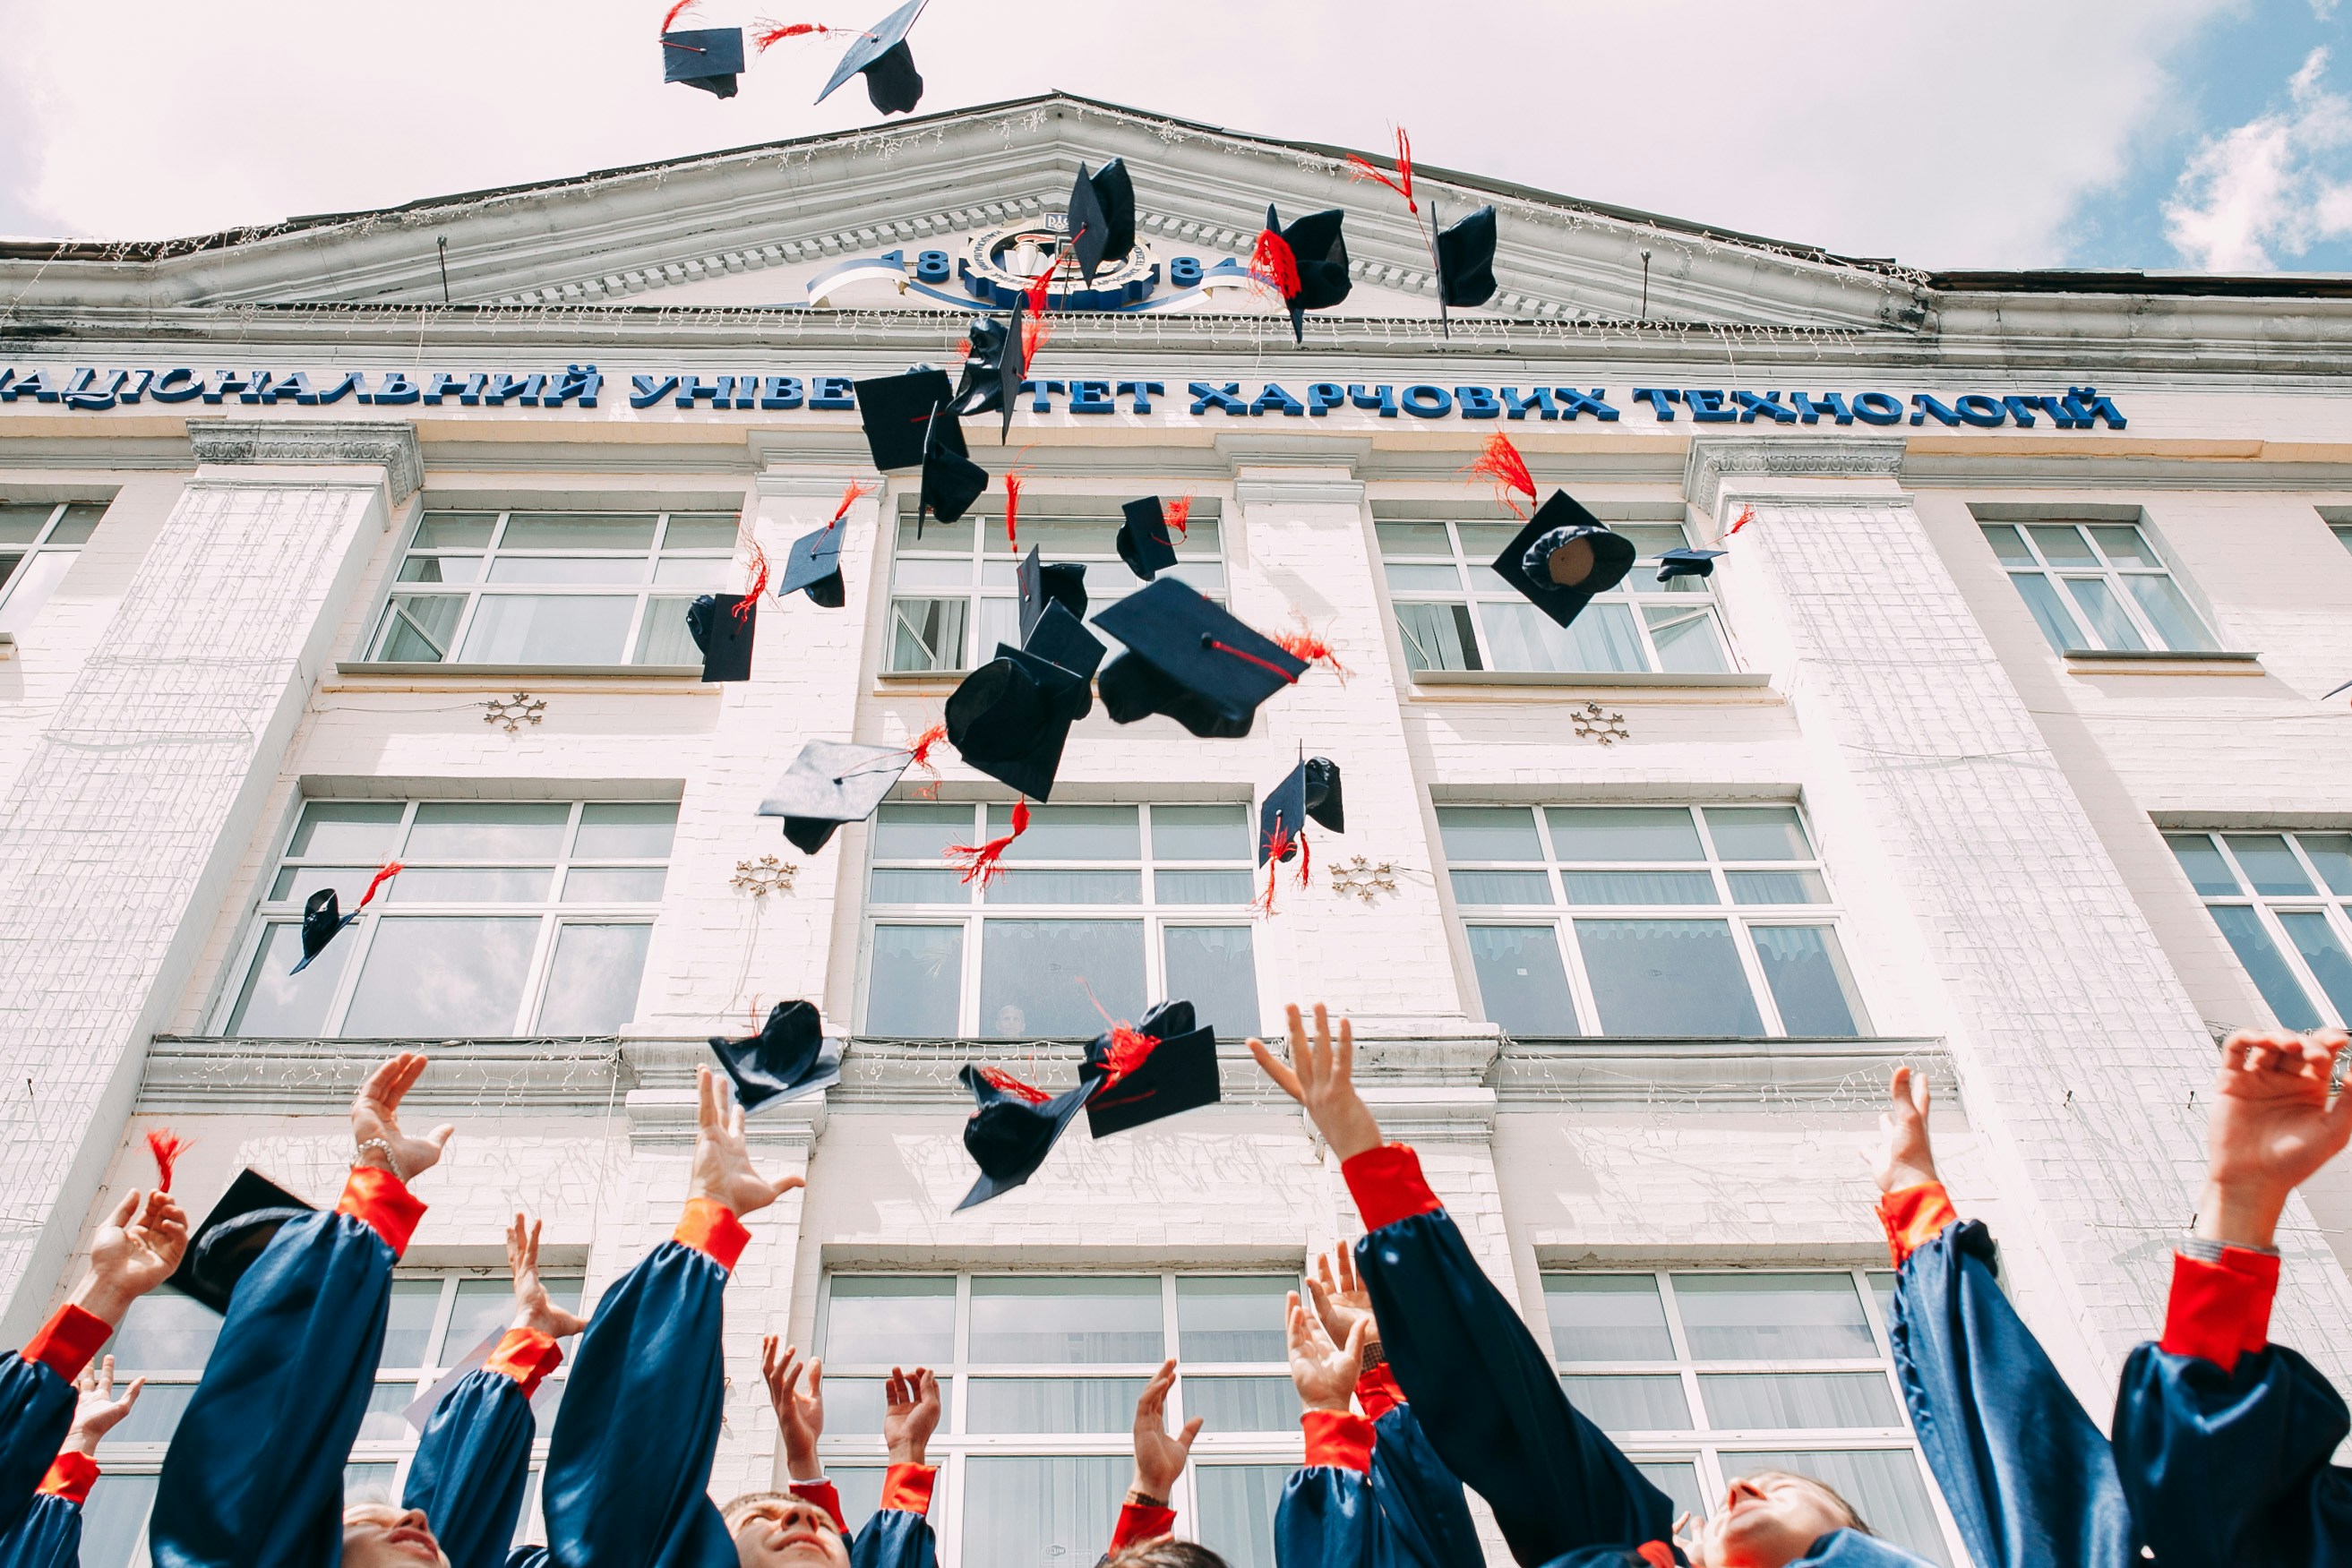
(390, 444)
(1716, 459)
(1847, 1075)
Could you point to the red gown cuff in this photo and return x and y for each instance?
(1387, 1185)
(2219, 1311)
(68, 1340)
(1340, 1438)
(1915, 1215)
(382, 1201)
(908, 1488)
(826, 1496)
(710, 1227)
(71, 1474)
(1139, 1524)
(526, 1355)
(1378, 1393)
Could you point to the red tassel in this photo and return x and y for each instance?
(1501, 462)
(1272, 264)
(1006, 1083)
(775, 34)
(1277, 845)
(922, 750)
(1036, 333)
(1305, 860)
(1361, 169)
(675, 10)
(1252, 658)
(1304, 644)
(979, 860)
(858, 490)
(1747, 516)
(1041, 286)
(389, 870)
(167, 1146)
(759, 585)
(1178, 515)
(1012, 511)
(1128, 1050)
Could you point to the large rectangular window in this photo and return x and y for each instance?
(952, 594)
(553, 588)
(39, 542)
(1703, 1377)
(1101, 909)
(1650, 920)
(2285, 902)
(1454, 612)
(512, 917)
(1039, 1377)
(2098, 588)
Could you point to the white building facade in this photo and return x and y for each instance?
(1994, 745)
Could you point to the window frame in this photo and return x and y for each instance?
(42, 544)
(2054, 575)
(2335, 908)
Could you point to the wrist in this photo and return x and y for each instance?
(375, 1154)
(1908, 1173)
(1141, 1495)
(104, 1299)
(1372, 1356)
(1338, 1405)
(908, 1453)
(2239, 1214)
(805, 1467)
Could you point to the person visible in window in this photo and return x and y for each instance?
(2222, 1438)
(804, 1527)
(48, 1535)
(1146, 1530)
(1562, 1492)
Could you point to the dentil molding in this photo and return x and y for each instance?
(390, 442)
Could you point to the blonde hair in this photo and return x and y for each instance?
(1164, 1552)
(1852, 1515)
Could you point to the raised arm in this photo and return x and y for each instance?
(1159, 1460)
(48, 1535)
(900, 1534)
(1327, 1517)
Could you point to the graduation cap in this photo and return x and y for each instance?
(814, 565)
(1465, 259)
(1188, 659)
(1063, 638)
(1563, 556)
(951, 481)
(322, 918)
(721, 625)
(708, 58)
(1162, 1066)
(1687, 563)
(789, 1058)
(832, 782)
(1062, 583)
(233, 1236)
(1013, 1128)
(881, 53)
(898, 412)
(1101, 217)
(990, 381)
(1143, 541)
(1310, 792)
(1308, 262)
(1010, 718)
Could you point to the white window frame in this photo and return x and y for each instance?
(2113, 574)
(18, 602)
(2336, 908)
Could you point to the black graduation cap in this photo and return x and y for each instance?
(898, 414)
(233, 1236)
(788, 1058)
(724, 637)
(1101, 217)
(881, 52)
(1190, 660)
(1014, 1128)
(1465, 259)
(1062, 583)
(1011, 716)
(991, 378)
(951, 481)
(1063, 638)
(1143, 541)
(1309, 792)
(1597, 558)
(708, 58)
(814, 565)
(321, 918)
(1321, 254)
(832, 782)
(1687, 563)
(1177, 1074)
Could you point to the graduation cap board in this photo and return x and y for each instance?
(1011, 717)
(898, 416)
(1013, 1128)
(882, 57)
(951, 481)
(1101, 217)
(1190, 660)
(1145, 1082)
(1465, 260)
(1563, 556)
(322, 916)
(990, 381)
(419, 1411)
(233, 1236)
(1319, 253)
(832, 782)
(1309, 792)
(1143, 541)
(1060, 582)
(789, 1058)
(815, 567)
(708, 58)
(721, 625)
(1677, 564)
(1062, 638)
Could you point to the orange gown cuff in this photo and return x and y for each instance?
(908, 1488)
(71, 1474)
(1915, 1215)
(2261, 1272)
(382, 1201)
(1340, 1438)
(2219, 1311)
(826, 1496)
(68, 1340)
(1387, 1185)
(1378, 1393)
(526, 1355)
(710, 1227)
(1138, 1522)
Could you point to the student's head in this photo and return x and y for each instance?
(1769, 1517)
(1166, 1552)
(378, 1535)
(777, 1529)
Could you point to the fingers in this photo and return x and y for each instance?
(1899, 1091)
(788, 1183)
(104, 1384)
(735, 1122)
(1921, 1092)
(894, 1389)
(1355, 1345)
(130, 1395)
(1321, 1293)
(1322, 1052)
(1153, 1400)
(119, 1219)
(931, 1389)
(1302, 1059)
(1349, 1282)
(439, 1137)
(1283, 1078)
(708, 1117)
(1345, 1071)
(768, 1358)
(817, 1377)
(1191, 1430)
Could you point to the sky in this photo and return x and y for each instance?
(2211, 135)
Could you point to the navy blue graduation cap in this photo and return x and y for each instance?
(1063, 638)
(1101, 217)
(814, 565)
(881, 54)
(233, 1236)
(1010, 718)
(832, 782)
(1190, 660)
(708, 58)
(721, 625)
(1687, 563)
(951, 481)
(1465, 259)
(789, 1058)
(903, 417)
(1013, 1128)
(990, 381)
(1143, 541)
(1318, 254)
(1161, 1068)
(1061, 583)
(322, 916)
(1309, 792)
(1563, 556)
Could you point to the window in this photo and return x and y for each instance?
(553, 588)
(2342, 532)
(1112, 906)
(437, 1317)
(952, 594)
(1705, 1378)
(2285, 902)
(2098, 587)
(1039, 1377)
(37, 543)
(512, 917)
(1642, 624)
(1679, 920)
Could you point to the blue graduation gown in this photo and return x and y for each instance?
(1407, 1511)
(472, 1468)
(48, 1535)
(36, 1408)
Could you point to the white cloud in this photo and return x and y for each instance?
(2272, 187)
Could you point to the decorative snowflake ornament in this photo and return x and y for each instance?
(514, 712)
(1363, 880)
(1594, 723)
(766, 875)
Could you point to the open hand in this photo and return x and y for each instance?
(1905, 1157)
(1323, 1080)
(800, 1410)
(1159, 1457)
(1341, 1302)
(137, 1246)
(910, 1414)
(376, 1121)
(2272, 1129)
(98, 1411)
(722, 1163)
(533, 1309)
(1323, 1372)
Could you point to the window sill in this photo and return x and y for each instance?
(917, 677)
(504, 672)
(2160, 662)
(1593, 680)
(1646, 1071)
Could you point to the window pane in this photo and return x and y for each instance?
(2061, 545)
(920, 832)
(1811, 983)
(1668, 976)
(1065, 1322)
(2049, 611)
(81, 519)
(2260, 954)
(1437, 637)
(418, 627)
(896, 886)
(1777, 887)
(460, 530)
(2007, 545)
(382, 1421)
(1201, 886)
(889, 1319)
(625, 830)
(487, 829)
(341, 830)
(1243, 1404)
(1065, 887)
(1072, 833)
(2332, 853)
(2208, 872)
(567, 568)
(1687, 640)
(854, 1406)
(1638, 887)
(483, 1307)
(917, 981)
(2177, 626)
(113, 1516)
(701, 530)
(470, 884)
(592, 984)
(1214, 967)
(1031, 970)
(1759, 833)
(441, 568)
(1623, 833)
(164, 1330)
(1238, 1317)
(2125, 545)
(1423, 578)
(1199, 832)
(1052, 1403)
(442, 978)
(1883, 1484)
(277, 1003)
(1772, 1317)
(927, 633)
(297, 883)
(1678, 1478)
(1521, 980)
(2104, 614)
(1237, 1504)
(1607, 1317)
(1753, 1401)
(1630, 1404)
(663, 638)
(156, 1416)
(709, 572)
(1522, 637)
(1488, 833)
(32, 587)
(576, 530)
(614, 885)
(2323, 954)
(548, 629)
(2268, 863)
(1501, 887)
(935, 535)
(1414, 538)
(408, 1326)
(21, 522)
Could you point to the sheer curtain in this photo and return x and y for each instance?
(1039, 1512)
